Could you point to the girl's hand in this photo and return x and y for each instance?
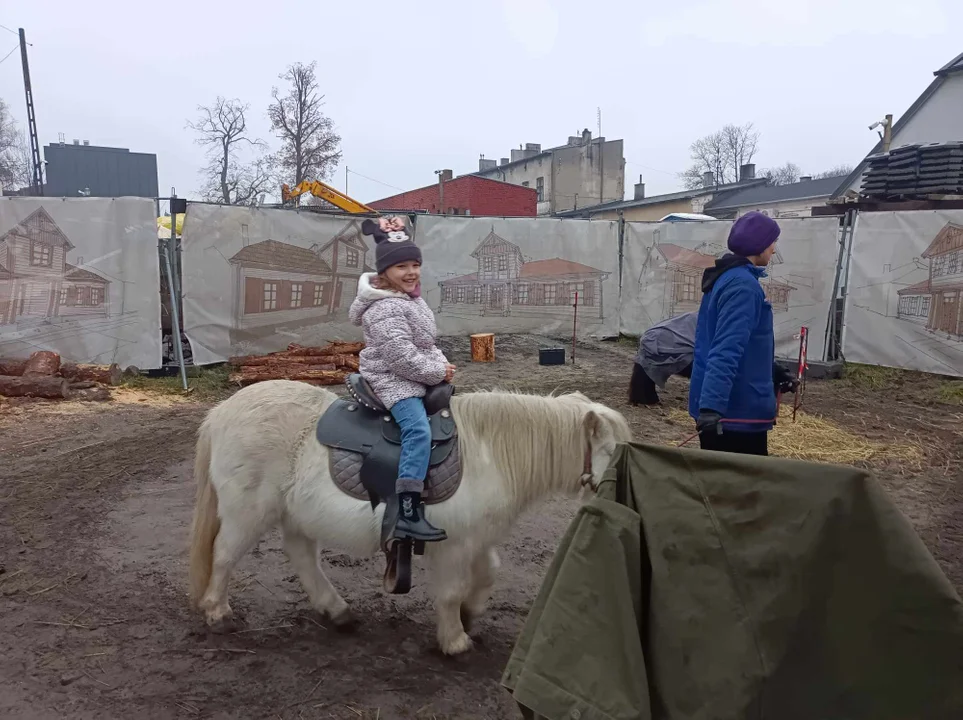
(449, 372)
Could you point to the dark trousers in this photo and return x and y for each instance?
(745, 443)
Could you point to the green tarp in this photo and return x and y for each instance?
(710, 586)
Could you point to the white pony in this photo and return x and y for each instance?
(258, 465)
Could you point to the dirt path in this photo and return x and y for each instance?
(95, 502)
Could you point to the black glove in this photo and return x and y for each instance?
(709, 421)
(782, 380)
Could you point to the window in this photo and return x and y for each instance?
(318, 295)
(487, 263)
(925, 306)
(270, 296)
(296, 290)
(939, 266)
(549, 294)
(523, 294)
(476, 295)
(689, 289)
(577, 288)
(540, 188)
(351, 257)
(41, 255)
(448, 294)
(63, 296)
(953, 265)
(96, 296)
(83, 296)
(525, 184)
(502, 263)
(461, 294)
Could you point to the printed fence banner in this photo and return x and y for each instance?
(81, 277)
(521, 275)
(904, 307)
(663, 264)
(256, 280)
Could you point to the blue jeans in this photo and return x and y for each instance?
(415, 444)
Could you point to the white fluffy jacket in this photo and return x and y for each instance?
(400, 359)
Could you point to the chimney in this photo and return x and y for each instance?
(518, 154)
(747, 172)
(708, 180)
(446, 175)
(484, 164)
(86, 143)
(76, 141)
(640, 189)
(80, 261)
(503, 161)
(586, 136)
(805, 178)
(574, 140)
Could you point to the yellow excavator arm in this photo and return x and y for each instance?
(325, 192)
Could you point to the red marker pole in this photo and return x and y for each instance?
(574, 325)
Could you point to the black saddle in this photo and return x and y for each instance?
(437, 398)
(362, 425)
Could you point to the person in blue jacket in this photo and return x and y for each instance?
(734, 376)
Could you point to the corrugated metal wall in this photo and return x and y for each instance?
(107, 172)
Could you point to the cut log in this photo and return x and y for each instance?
(103, 374)
(285, 361)
(335, 348)
(12, 366)
(88, 391)
(286, 370)
(315, 377)
(483, 347)
(131, 371)
(41, 386)
(42, 362)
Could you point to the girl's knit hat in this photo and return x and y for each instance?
(392, 247)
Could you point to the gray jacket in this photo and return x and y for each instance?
(400, 359)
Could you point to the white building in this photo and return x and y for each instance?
(936, 116)
(581, 173)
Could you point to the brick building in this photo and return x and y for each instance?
(466, 195)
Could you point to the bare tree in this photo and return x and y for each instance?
(310, 147)
(15, 162)
(228, 178)
(723, 153)
(783, 175)
(835, 171)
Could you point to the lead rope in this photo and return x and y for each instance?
(773, 421)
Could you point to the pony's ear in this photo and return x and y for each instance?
(592, 424)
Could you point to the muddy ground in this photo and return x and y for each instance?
(95, 501)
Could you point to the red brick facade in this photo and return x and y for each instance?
(466, 195)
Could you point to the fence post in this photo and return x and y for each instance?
(173, 287)
(621, 248)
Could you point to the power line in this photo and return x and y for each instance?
(9, 30)
(649, 167)
(15, 48)
(395, 187)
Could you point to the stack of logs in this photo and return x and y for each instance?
(328, 365)
(43, 375)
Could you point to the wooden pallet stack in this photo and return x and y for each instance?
(328, 365)
(44, 375)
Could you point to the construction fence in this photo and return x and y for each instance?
(881, 288)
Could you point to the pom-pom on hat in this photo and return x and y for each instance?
(392, 246)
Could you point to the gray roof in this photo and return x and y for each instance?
(762, 194)
(727, 189)
(952, 67)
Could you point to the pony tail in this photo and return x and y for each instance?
(206, 524)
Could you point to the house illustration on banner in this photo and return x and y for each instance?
(936, 301)
(504, 284)
(679, 272)
(36, 281)
(279, 283)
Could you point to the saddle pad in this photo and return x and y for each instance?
(442, 482)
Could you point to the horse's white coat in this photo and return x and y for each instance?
(258, 465)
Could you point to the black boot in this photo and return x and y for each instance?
(411, 520)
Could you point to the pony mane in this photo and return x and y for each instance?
(536, 441)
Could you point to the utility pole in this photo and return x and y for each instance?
(345, 179)
(31, 119)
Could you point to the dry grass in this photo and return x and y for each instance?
(818, 440)
(204, 383)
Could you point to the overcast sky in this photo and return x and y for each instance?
(419, 86)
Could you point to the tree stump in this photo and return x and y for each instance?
(42, 362)
(483, 347)
(42, 386)
(103, 374)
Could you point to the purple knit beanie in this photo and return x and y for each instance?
(752, 234)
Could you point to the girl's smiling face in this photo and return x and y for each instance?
(404, 276)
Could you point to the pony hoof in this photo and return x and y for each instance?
(345, 621)
(459, 645)
(222, 626)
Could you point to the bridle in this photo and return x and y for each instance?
(586, 479)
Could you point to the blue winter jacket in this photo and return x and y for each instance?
(732, 370)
